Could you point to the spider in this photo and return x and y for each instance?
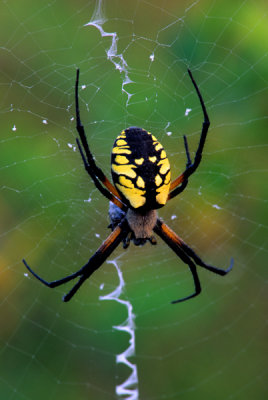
(141, 175)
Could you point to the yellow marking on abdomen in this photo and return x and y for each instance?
(125, 170)
(158, 180)
(121, 160)
(152, 159)
(167, 178)
(163, 191)
(126, 182)
(158, 146)
(139, 161)
(121, 142)
(165, 166)
(121, 150)
(134, 195)
(163, 154)
(140, 182)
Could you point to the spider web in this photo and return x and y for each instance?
(133, 59)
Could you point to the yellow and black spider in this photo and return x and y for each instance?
(141, 175)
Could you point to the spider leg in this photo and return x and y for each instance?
(195, 278)
(173, 236)
(181, 181)
(179, 184)
(103, 191)
(52, 284)
(171, 241)
(92, 169)
(186, 253)
(198, 261)
(189, 161)
(103, 252)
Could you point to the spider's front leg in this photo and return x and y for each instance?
(180, 183)
(101, 182)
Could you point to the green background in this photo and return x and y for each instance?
(212, 347)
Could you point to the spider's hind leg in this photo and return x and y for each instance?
(127, 240)
(153, 240)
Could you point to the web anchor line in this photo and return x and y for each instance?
(129, 387)
(98, 20)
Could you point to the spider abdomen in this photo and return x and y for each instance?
(140, 169)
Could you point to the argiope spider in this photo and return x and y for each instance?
(141, 175)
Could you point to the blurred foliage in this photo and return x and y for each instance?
(51, 214)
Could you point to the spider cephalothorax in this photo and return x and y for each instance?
(141, 225)
(142, 184)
